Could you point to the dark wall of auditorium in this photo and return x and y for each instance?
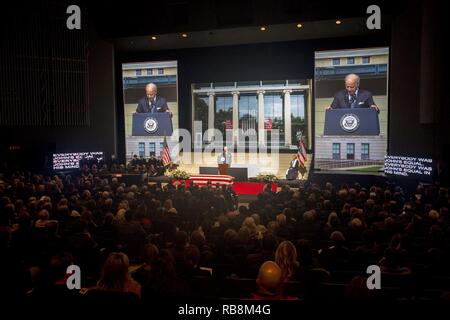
(418, 117)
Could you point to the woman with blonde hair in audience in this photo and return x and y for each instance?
(169, 208)
(250, 224)
(115, 276)
(286, 258)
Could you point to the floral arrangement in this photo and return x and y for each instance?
(179, 174)
(266, 177)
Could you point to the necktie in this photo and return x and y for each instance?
(152, 106)
(352, 101)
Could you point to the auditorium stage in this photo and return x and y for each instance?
(256, 163)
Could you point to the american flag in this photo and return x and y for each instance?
(268, 124)
(301, 154)
(165, 157)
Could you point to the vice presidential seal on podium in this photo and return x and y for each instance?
(351, 122)
(152, 124)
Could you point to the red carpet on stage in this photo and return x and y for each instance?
(248, 188)
(251, 187)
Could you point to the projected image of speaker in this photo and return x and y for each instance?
(351, 109)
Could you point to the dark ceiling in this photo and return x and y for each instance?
(121, 19)
(130, 24)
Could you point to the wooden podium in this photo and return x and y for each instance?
(223, 168)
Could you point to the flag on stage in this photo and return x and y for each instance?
(303, 148)
(301, 153)
(165, 157)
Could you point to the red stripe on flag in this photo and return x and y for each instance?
(303, 149)
(301, 153)
(166, 159)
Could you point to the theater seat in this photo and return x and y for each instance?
(102, 297)
(204, 287)
(238, 287)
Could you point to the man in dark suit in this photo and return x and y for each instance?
(292, 171)
(352, 96)
(152, 103)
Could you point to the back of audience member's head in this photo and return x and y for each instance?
(150, 253)
(390, 224)
(337, 238)
(43, 214)
(327, 204)
(114, 275)
(433, 215)
(356, 224)
(243, 210)
(342, 193)
(168, 205)
(256, 218)
(249, 223)
(197, 238)
(333, 220)
(230, 237)
(309, 216)
(260, 231)
(223, 221)
(287, 212)
(244, 235)
(281, 220)
(86, 215)
(269, 277)
(272, 227)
